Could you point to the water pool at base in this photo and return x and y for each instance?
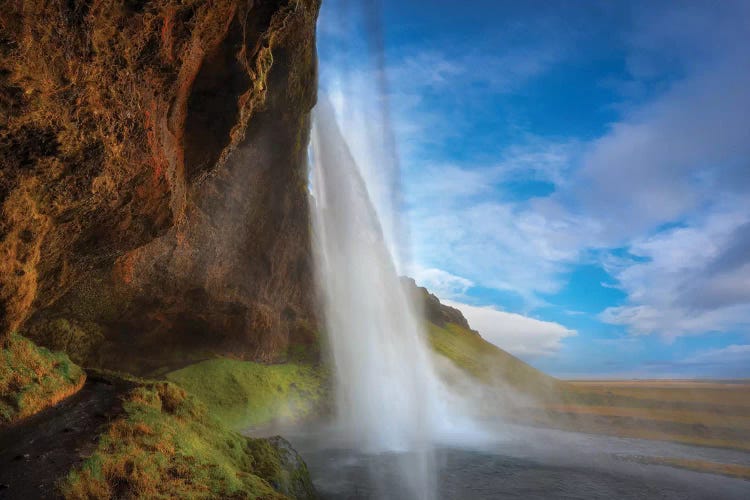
(524, 462)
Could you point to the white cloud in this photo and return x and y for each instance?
(688, 280)
(501, 245)
(447, 184)
(426, 68)
(450, 184)
(678, 153)
(441, 283)
(681, 155)
(671, 156)
(461, 224)
(520, 335)
(728, 355)
(540, 160)
(502, 72)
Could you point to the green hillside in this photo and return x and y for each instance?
(488, 363)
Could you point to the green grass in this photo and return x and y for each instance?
(166, 444)
(246, 394)
(33, 378)
(488, 363)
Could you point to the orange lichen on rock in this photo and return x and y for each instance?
(20, 251)
(157, 149)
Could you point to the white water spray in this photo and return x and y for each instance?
(387, 390)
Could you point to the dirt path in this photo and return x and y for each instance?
(37, 452)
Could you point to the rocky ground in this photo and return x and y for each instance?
(39, 451)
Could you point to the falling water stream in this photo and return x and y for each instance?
(387, 391)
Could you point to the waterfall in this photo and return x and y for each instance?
(386, 388)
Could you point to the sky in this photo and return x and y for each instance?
(573, 176)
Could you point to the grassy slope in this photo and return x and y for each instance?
(487, 362)
(692, 413)
(166, 444)
(33, 378)
(248, 394)
(244, 394)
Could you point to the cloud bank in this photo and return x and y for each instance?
(520, 335)
(668, 182)
(656, 195)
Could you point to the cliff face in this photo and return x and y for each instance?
(434, 311)
(153, 176)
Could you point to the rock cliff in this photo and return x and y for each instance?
(153, 177)
(434, 311)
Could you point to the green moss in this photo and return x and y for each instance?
(33, 378)
(282, 467)
(167, 444)
(244, 394)
(488, 363)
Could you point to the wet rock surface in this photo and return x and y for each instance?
(294, 479)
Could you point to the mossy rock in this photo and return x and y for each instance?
(246, 394)
(283, 467)
(166, 444)
(33, 378)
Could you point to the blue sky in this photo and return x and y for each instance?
(575, 176)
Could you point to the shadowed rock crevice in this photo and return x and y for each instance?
(213, 106)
